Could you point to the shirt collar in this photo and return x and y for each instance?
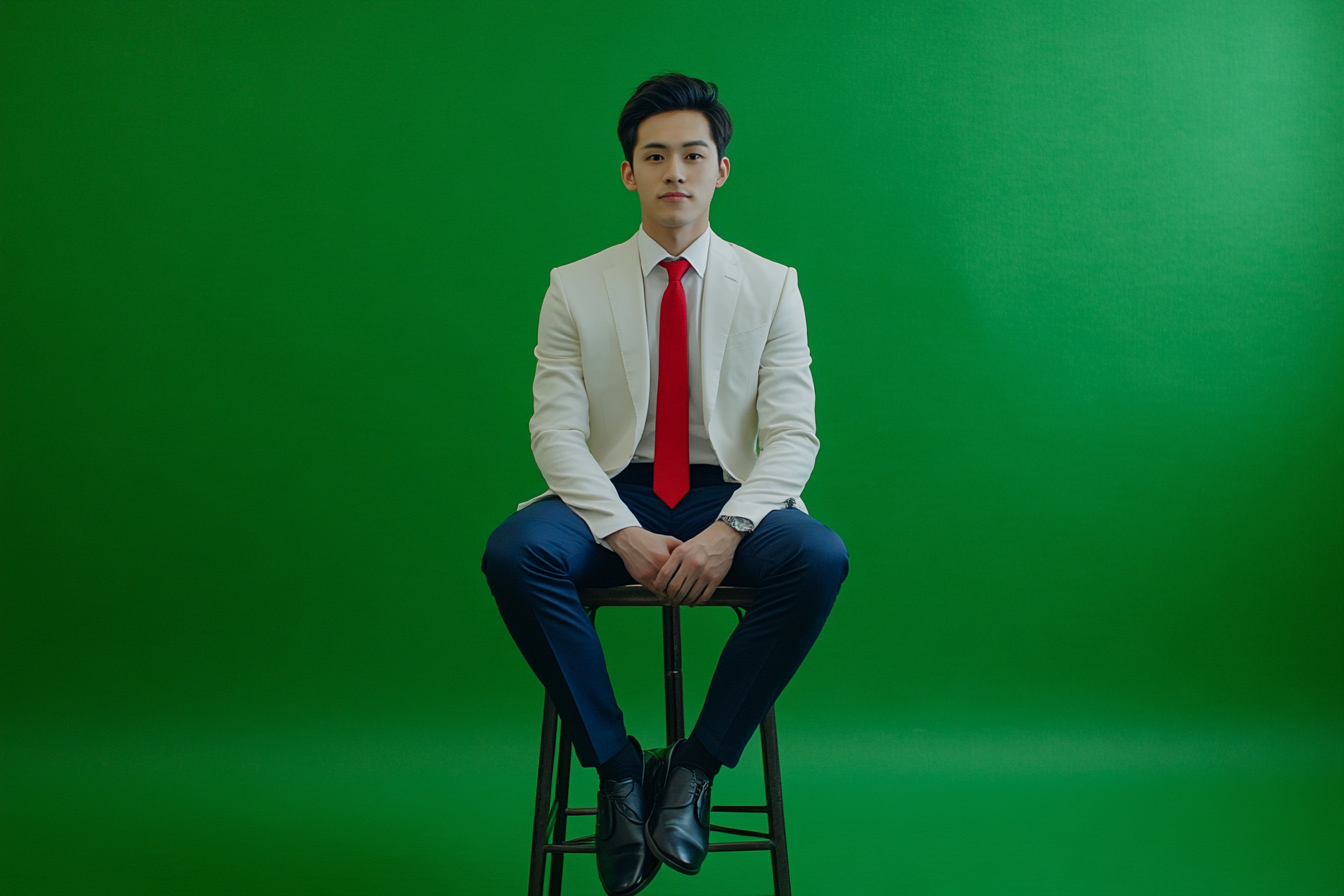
(697, 253)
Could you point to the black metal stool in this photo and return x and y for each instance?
(553, 811)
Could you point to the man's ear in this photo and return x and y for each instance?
(723, 172)
(628, 176)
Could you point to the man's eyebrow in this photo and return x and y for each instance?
(664, 145)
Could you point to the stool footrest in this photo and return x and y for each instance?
(581, 845)
(741, 846)
(638, 596)
(585, 844)
(759, 810)
(739, 832)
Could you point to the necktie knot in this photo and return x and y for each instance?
(676, 268)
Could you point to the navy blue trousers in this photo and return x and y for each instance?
(539, 558)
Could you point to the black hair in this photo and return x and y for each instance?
(673, 92)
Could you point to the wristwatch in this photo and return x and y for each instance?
(743, 525)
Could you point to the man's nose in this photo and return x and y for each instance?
(675, 173)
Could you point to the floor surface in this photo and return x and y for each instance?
(871, 810)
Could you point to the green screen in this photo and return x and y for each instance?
(269, 282)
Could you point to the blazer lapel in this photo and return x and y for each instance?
(717, 303)
(625, 292)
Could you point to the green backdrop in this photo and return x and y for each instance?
(269, 279)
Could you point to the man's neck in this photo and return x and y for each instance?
(676, 240)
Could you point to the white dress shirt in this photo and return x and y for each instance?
(655, 283)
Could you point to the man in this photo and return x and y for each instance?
(673, 422)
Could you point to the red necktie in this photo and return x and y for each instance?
(671, 436)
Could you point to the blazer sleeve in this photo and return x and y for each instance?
(786, 414)
(560, 424)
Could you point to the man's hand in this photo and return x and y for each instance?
(694, 569)
(643, 552)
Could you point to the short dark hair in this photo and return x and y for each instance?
(674, 92)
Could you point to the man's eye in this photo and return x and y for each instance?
(694, 155)
(654, 158)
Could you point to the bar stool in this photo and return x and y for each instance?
(552, 810)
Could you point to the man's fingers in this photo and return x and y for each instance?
(674, 571)
(693, 594)
(704, 590)
(645, 571)
(669, 569)
(689, 573)
(682, 585)
(673, 589)
(704, 596)
(685, 578)
(660, 580)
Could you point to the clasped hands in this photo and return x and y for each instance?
(686, 572)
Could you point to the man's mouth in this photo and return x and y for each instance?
(675, 195)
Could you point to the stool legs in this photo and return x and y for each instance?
(774, 805)
(551, 810)
(542, 808)
(672, 697)
(550, 819)
(561, 822)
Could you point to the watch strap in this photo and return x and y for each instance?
(740, 523)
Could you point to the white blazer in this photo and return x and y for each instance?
(591, 392)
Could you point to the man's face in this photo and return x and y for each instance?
(676, 168)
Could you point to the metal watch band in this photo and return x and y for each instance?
(740, 523)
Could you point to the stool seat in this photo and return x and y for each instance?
(639, 596)
(552, 810)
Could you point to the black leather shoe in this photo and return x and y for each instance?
(624, 864)
(678, 828)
